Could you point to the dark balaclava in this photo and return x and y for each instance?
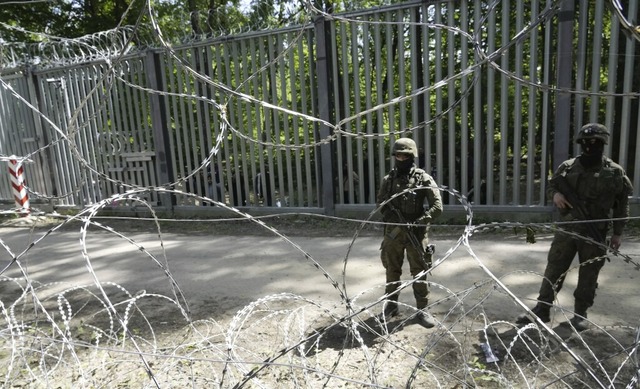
(404, 167)
(592, 151)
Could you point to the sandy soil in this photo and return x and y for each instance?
(234, 304)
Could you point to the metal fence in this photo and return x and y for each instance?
(305, 117)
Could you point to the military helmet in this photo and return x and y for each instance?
(405, 146)
(593, 131)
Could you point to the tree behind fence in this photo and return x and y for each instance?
(261, 119)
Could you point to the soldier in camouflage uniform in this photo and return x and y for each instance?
(408, 209)
(602, 187)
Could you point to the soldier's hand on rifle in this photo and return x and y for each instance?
(423, 220)
(616, 241)
(560, 201)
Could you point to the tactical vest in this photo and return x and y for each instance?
(597, 189)
(410, 204)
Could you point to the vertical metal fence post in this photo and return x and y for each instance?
(562, 121)
(161, 139)
(43, 138)
(324, 99)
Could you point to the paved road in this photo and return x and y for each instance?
(220, 274)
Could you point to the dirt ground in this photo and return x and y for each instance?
(310, 329)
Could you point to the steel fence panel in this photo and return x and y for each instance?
(99, 125)
(6, 145)
(547, 113)
(531, 195)
(581, 65)
(341, 110)
(52, 90)
(143, 159)
(371, 129)
(483, 125)
(505, 29)
(118, 117)
(427, 142)
(440, 172)
(612, 75)
(517, 113)
(297, 192)
(365, 146)
(491, 113)
(182, 129)
(248, 121)
(20, 136)
(268, 184)
(239, 181)
(376, 156)
(383, 152)
(306, 75)
(88, 96)
(478, 183)
(241, 168)
(199, 130)
(275, 115)
(110, 142)
(255, 121)
(466, 157)
(629, 103)
(76, 117)
(177, 151)
(454, 159)
(241, 159)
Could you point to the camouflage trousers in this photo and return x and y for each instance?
(398, 241)
(563, 249)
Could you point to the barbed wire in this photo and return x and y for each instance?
(101, 334)
(59, 51)
(295, 350)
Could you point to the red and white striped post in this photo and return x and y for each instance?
(16, 172)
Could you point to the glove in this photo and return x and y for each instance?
(424, 220)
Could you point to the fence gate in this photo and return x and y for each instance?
(98, 128)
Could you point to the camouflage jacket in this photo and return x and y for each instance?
(603, 190)
(420, 203)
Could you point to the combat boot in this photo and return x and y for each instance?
(579, 321)
(426, 319)
(390, 310)
(540, 310)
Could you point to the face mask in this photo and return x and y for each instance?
(591, 152)
(403, 167)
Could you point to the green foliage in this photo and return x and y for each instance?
(477, 366)
(31, 22)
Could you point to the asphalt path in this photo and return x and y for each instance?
(219, 274)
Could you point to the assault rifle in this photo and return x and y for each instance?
(389, 207)
(428, 251)
(578, 211)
